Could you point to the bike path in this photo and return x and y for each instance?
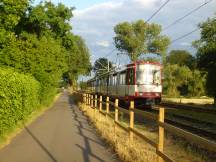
(61, 134)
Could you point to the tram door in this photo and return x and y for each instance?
(130, 88)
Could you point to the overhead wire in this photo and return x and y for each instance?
(185, 35)
(186, 15)
(162, 6)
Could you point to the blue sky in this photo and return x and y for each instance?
(94, 21)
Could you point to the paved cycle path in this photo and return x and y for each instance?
(61, 134)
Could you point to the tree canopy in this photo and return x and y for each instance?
(182, 58)
(140, 37)
(206, 54)
(180, 80)
(101, 66)
(38, 40)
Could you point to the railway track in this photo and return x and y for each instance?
(195, 126)
(198, 127)
(188, 107)
(198, 131)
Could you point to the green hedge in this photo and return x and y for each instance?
(19, 97)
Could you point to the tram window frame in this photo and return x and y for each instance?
(130, 76)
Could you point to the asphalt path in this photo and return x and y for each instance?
(61, 134)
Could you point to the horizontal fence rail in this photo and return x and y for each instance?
(97, 102)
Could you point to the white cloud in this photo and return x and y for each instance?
(185, 44)
(95, 24)
(103, 43)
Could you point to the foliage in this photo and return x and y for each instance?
(83, 85)
(101, 66)
(206, 54)
(180, 80)
(182, 58)
(11, 12)
(37, 42)
(46, 19)
(19, 96)
(43, 58)
(43, 45)
(78, 59)
(140, 37)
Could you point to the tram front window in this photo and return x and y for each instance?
(140, 77)
(148, 76)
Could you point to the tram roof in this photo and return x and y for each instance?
(126, 66)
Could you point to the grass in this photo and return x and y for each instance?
(140, 151)
(201, 116)
(196, 101)
(6, 139)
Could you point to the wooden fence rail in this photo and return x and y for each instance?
(93, 101)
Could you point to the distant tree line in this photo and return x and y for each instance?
(184, 74)
(181, 76)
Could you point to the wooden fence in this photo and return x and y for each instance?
(93, 101)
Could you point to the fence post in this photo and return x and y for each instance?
(116, 109)
(84, 98)
(116, 117)
(95, 107)
(131, 120)
(100, 107)
(92, 101)
(95, 101)
(107, 104)
(161, 133)
(87, 98)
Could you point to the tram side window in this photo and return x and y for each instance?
(122, 78)
(114, 80)
(110, 80)
(130, 76)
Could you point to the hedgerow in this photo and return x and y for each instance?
(19, 97)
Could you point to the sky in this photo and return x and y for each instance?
(94, 21)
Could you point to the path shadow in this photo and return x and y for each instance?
(40, 144)
(80, 118)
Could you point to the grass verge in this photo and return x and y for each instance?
(140, 151)
(118, 139)
(6, 139)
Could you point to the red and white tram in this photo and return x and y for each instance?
(140, 81)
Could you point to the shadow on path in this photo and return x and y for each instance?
(80, 119)
(40, 144)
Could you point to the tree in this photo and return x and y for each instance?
(47, 19)
(40, 43)
(206, 54)
(180, 80)
(101, 66)
(78, 59)
(182, 58)
(140, 37)
(11, 12)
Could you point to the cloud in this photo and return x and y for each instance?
(103, 43)
(185, 44)
(95, 24)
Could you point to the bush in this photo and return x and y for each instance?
(19, 97)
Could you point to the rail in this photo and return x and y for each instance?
(93, 102)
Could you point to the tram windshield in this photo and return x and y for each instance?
(148, 75)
